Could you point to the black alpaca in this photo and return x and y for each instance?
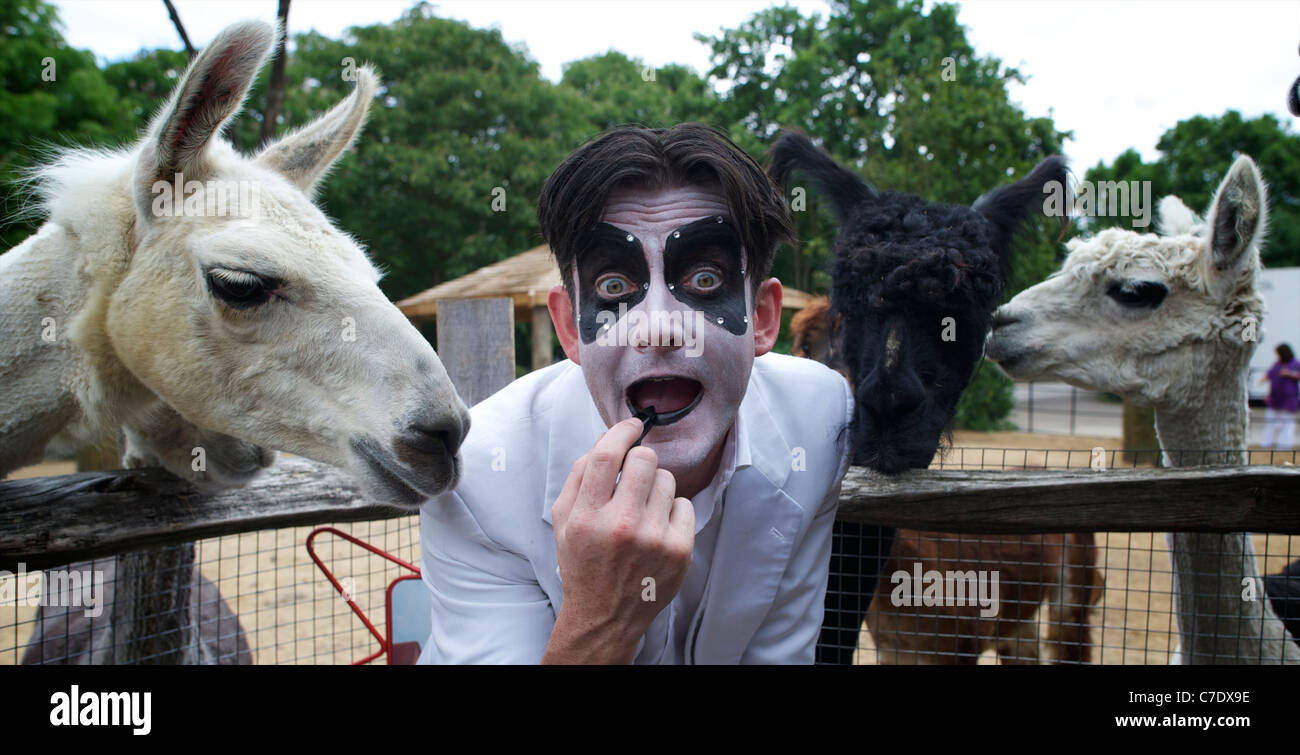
(914, 285)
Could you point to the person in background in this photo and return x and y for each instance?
(1283, 400)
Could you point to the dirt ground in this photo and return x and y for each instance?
(291, 613)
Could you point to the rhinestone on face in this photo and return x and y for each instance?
(745, 318)
(672, 287)
(677, 234)
(719, 219)
(719, 320)
(645, 286)
(630, 238)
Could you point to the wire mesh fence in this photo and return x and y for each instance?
(1105, 597)
(287, 611)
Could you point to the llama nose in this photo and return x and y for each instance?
(442, 436)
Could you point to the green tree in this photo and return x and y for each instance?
(1195, 155)
(54, 96)
(899, 93)
(619, 90)
(145, 81)
(463, 120)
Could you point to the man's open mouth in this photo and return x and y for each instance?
(672, 398)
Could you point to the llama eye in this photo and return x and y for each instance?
(240, 289)
(1140, 295)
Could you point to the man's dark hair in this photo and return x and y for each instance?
(1285, 353)
(689, 154)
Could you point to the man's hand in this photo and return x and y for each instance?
(609, 540)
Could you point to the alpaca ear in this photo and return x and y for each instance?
(1173, 218)
(305, 155)
(1008, 207)
(1238, 215)
(794, 153)
(210, 93)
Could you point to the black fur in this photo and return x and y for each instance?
(1283, 592)
(1293, 97)
(902, 266)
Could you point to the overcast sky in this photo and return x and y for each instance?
(1117, 73)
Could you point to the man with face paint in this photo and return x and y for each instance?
(666, 494)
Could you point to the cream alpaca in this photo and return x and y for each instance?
(1169, 322)
(210, 337)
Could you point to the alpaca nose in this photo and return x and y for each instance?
(1003, 317)
(894, 396)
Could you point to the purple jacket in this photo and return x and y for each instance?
(1284, 392)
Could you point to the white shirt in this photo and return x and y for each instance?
(762, 548)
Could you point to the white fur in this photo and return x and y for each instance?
(1189, 360)
(141, 343)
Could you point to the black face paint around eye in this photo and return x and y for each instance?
(610, 251)
(694, 256)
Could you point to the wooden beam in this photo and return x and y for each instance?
(1202, 499)
(476, 344)
(541, 337)
(50, 521)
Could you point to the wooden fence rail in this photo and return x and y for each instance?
(52, 521)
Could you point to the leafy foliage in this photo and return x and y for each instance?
(1196, 154)
(53, 96)
(893, 90)
(987, 401)
(891, 87)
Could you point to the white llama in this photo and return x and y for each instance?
(197, 300)
(1170, 322)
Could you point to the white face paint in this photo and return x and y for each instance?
(710, 356)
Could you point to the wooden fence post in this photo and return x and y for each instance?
(476, 344)
(541, 337)
(148, 618)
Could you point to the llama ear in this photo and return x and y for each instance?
(1008, 207)
(1238, 215)
(305, 155)
(210, 93)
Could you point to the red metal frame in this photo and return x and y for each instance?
(385, 643)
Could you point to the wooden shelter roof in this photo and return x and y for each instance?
(526, 278)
